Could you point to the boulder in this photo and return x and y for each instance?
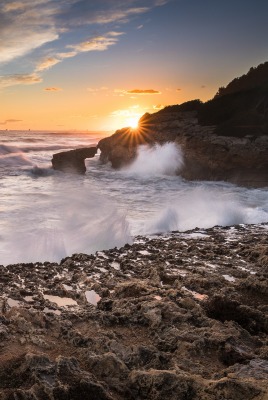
(73, 161)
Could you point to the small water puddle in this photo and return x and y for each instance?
(196, 295)
(13, 303)
(29, 299)
(49, 310)
(144, 252)
(229, 278)
(67, 287)
(60, 301)
(115, 265)
(92, 297)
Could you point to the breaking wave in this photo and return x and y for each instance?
(203, 208)
(54, 226)
(157, 160)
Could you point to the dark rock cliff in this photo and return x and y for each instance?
(225, 138)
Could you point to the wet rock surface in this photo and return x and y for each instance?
(176, 316)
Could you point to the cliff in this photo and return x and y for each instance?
(225, 138)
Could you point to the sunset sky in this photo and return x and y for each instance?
(100, 64)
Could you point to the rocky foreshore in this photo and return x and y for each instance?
(179, 316)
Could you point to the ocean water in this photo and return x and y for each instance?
(46, 215)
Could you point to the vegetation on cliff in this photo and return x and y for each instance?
(239, 109)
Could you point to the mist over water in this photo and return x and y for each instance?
(157, 160)
(70, 220)
(46, 215)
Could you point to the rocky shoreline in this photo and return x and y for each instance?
(178, 316)
(207, 155)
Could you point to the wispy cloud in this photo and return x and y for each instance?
(47, 63)
(97, 43)
(25, 26)
(8, 121)
(19, 79)
(95, 90)
(52, 89)
(158, 107)
(143, 91)
(28, 25)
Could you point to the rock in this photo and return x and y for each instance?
(158, 385)
(225, 138)
(73, 161)
(175, 330)
(108, 367)
(232, 389)
(40, 378)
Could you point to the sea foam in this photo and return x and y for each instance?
(72, 220)
(157, 160)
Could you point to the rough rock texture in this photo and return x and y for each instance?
(207, 155)
(73, 161)
(182, 316)
(225, 138)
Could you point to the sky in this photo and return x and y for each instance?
(101, 64)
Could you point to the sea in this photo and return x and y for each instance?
(47, 215)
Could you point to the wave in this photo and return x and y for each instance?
(60, 224)
(14, 160)
(204, 208)
(157, 160)
(51, 148)
(4, 149)
(41, 172)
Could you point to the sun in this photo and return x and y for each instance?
(133, 121)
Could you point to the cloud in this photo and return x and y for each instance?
(52, 89)
(158, 107)
(97, 43)
(178, 90)
(101, 12)
(19, 79)
(67, 54)
(161, 2)
(31, 25)
(143, 91)
(47, 63)
(25, 26)
(95, 90)
(8, 121)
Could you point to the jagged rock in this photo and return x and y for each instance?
(188, 333)
(158, 385)
(40, 378)
(73, 161)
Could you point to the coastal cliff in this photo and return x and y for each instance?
(225, 138)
